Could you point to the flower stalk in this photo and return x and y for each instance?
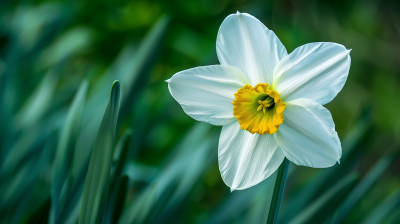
(276, 193)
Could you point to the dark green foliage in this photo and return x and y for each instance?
(59, 58)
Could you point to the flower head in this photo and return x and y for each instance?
(269, 102)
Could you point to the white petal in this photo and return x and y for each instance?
(315, 71)
(245, 43)
(246, 159)
(206, 93)
(307, 136)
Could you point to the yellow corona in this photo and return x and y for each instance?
(258, 109)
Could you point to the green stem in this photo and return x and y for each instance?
(276, 193)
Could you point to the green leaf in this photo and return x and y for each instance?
(393, 217)
(276, 193)
(119, 184)
(120, 156)
(383, 209)
(238, 203)
(140, 209)
(133, 65)
(321, 208)
(70, 43)
(38, 103)
(323, 179)
(15, 193)
(23, 148)
(196, 164)
(66, 148)
(129, 66)
(71, 196)
(29, 121)
(95, 192)
(370, 178)
(116, 201)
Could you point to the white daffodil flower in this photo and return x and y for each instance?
(269, 102)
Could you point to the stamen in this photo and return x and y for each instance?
(269, 101)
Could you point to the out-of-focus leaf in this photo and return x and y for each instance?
(71, 196)
(3, 113)
(132, 66)
(196, 164)
(68, 44)
(27, 29)
(361, 188)
(140, 122)
(383, 209)
(321, 208)
(16, 193)
(22, 150)
(66, 148)
(38, 103)
(276, 193)
(95, 193)
(239, 201)
(2, 70)
(30, 25)
(301, 199)
(36, 195)
(127, 68)
(393, 217)
(139, 210)
(116, 201)
(356, 134)
(140, 172)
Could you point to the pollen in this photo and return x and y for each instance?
(258, 109)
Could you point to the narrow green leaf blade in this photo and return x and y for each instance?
(66, 147)
(314, 212)
(38, 103)
(116, 201)
(133, 65)
(239, 202)
(140, 209)
(97, 180)
(196, 165)
(370, 178)
(27, 120)
(129, 66)
(383, 209)
(119, 182)
(119, 158)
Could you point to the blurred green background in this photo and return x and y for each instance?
(165, 168)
